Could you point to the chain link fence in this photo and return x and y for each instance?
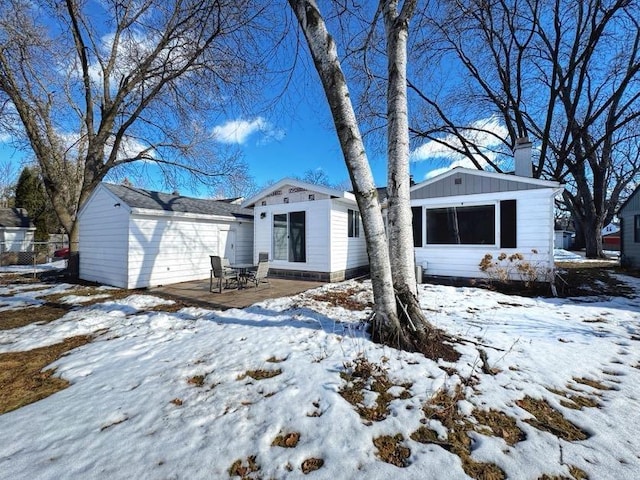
(27, 252)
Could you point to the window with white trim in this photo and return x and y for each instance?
(353, 219)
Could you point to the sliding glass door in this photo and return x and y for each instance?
(289, 237)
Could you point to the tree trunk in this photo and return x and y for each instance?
(400, 231)
(592, 228)
(325, 57)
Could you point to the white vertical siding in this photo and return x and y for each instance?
(346, 252)
(317, 234)
(103, 239)
(165, 250)
(535, 235)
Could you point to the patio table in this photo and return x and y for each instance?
(242, 269)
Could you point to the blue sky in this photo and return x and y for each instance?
(293, 136)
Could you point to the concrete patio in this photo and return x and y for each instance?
(197, 292)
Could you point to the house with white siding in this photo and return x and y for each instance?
(629, 215)
(464, 216)
(308, 231)
(135, 238)
(16, 230)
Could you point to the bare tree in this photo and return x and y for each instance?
(97, 86)
(406, 328)
(566, 74)
(8, 178)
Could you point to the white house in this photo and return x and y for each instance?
(629, 215)
(134, 238)
(308, 231)
(463, 214)
(16, 230)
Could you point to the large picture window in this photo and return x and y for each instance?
(473, 225)
(289, 237)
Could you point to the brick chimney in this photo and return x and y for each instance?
(522, 157)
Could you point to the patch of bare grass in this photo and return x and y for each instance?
(364, 377)
(245, 469)
(286, 440)
(575, 472)
(500, 425)
(196, 380)
(274, 359)
(591, 383)
(344, 299)
(550, 420)
(575, 401)
(391, 449)
(101, 295)
(443, 408)
(311, 465)
(25, 316)
(22, 379)
(260, 374)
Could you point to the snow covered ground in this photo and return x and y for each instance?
(160, 395)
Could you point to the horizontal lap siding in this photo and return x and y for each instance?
(346, 252)
(172, 250)
(534, 232)
(103, 240)
(317, 234)
(631, 249)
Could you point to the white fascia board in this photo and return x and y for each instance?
(483, 173)
(116, 199)
(148, 212)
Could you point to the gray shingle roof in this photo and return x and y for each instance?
(139, 198)
(14, 217)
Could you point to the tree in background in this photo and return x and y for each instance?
(30, 195)
(7, 183)
(97, 86)
(566, 74)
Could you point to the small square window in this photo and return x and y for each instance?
(264, 203)
(286, 199)
(312, 196)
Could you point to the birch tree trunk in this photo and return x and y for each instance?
(399, 228)
(325, 57)
(406, 327)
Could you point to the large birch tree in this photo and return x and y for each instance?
(398, 321)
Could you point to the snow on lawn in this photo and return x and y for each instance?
(170, 395)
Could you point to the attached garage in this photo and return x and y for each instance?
(134, 238)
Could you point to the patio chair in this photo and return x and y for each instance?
(221, 274)
(260, 274)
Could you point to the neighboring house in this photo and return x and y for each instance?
(563, 239)
(611, 237)
(462, 215)
(629, 215)
(309, 231)
(16, 230)
(134, 238)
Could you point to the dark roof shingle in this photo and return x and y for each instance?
(15, 217)
(139, 198)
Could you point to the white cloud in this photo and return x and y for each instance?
(238, 131)
(486, 133)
